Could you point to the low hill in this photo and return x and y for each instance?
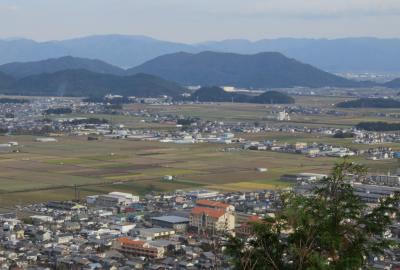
(370, 103)
(393, 84)
(273, 97)
(262, 70)
(5, 80)
(87, 83)
(20, 70)
(217, 94)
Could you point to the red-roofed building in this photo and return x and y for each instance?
(213, 204)
(133, 247)
(212, 216)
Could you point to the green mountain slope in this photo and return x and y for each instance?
(262, 70)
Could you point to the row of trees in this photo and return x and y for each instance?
(58, 111)
(331, 229)
(217, 94)
(378, 126)
(370, 103)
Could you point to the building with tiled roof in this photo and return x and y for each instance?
(212, 216)
(134, 247)
(212, 204)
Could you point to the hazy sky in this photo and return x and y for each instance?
(199, 20)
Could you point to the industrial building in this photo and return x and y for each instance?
(179, 224)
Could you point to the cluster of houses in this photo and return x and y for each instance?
(122, 231)
(380, 153)
(29, 116)
(313, 150)
(365, 137)
(321, 150)
(178, 230)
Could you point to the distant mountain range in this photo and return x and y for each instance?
(80, 82)
(262, 70)
(72, 76)
(333, 55)
(337, 55)
(20, 70)
(123, 51)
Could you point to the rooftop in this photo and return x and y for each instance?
(207, 211)
(171, 219)
(213, 204)
(129, 241)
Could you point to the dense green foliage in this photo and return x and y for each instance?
(86, 83)
(187, 121)
(273, 97)
(3, 130)
(332, 229)
(58, 111)
(20, 70)
(217, 94)
(262, 70)
(94, 121)
(378, 126)
(370, 103)
(343, 135)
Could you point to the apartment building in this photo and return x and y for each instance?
(212, 216)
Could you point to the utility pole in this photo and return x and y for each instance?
(76, 192)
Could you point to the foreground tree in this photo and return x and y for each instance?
(331, 229)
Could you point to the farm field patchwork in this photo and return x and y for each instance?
(45, 171)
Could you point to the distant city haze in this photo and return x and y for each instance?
(193, 21)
